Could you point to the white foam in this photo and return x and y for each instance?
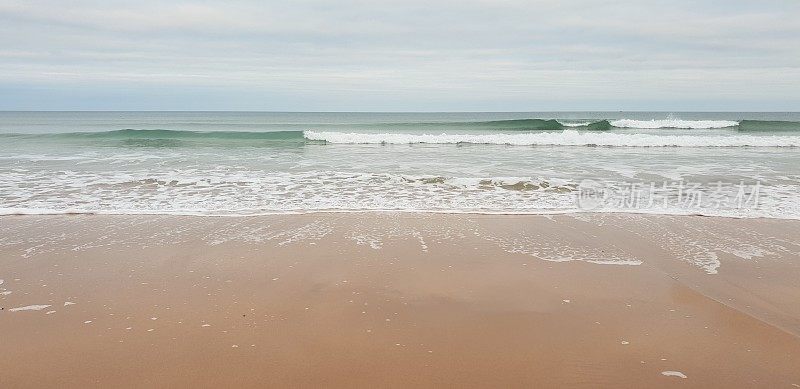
(673, 123)
(626, 262)
(560, 138)
(434, 179)
(29, 308)
(575, 124)
(670, 373)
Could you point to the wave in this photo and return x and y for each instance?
(180, 134)
(593, 125)
(170, 138)
(533, 125)
(741, 125)
(673, 123)
(491, 125)
(562, 138)
(176, 138)
(165, 134)
(765, 125)
(607, 124)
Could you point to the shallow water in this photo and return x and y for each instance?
(232, 163)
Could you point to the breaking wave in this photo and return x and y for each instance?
(574, 132)
(673, 123)
(560, 138)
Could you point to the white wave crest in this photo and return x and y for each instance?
(673, 123)
(561, 138)
(575, 123)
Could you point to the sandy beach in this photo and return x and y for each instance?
(392, 300)
(399, 194)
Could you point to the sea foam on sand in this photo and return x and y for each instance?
(29, 308)
(670, 373)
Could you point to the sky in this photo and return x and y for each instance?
(409, 55)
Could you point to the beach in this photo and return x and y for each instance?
(406, 194)
(391, 299)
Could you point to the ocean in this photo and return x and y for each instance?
(250, 163)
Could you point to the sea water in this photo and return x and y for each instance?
(247, 163)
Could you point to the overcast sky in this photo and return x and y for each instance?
(409, 55)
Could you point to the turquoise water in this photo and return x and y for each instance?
(240, 163)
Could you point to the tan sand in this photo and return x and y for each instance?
(399, 300)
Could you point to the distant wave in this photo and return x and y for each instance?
(526, 131)
(742, 126)
(170, 138)
(179, 134)
(531, 125)
(561, 138)
(165, 134)
(599, 125)
(765, 125)
(673, 123)
(596, 125)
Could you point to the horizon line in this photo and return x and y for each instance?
(360, 112)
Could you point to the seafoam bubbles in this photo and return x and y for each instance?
(409, 178)
(37, 307)
(552, 248)
(559, 138)
(672, 373)
(673, 123)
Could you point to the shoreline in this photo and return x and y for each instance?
(396, 211)
(397, 299)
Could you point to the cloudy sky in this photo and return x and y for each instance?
(400, 55)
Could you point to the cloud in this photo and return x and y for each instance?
(444, 53)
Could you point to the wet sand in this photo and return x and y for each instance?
(398, 300)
